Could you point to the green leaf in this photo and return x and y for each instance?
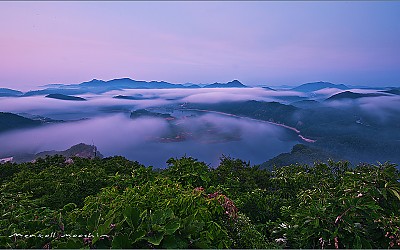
(316, 223)
(156, 238)
(158, 217)
(92, 221)
(357, 242)
(171, 227)
(132, 216)
(138, 235)
(366, 244)
(384, 193)
(395, 192)
(121, 241)
(202, 244)
(168, 213)
(205, 178)
(69, 207)
(103, 229)
(170, 242)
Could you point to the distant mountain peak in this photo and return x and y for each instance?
(314, 86)
(234, 81)
(122, 79)
(353, 95)
(232, 84)
(94, 81)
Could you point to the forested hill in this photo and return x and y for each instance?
(366, 139)
(273, 111)
(117, 203)
(9, 121)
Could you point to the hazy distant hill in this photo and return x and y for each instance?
(65, 97)
(5, 92)
(350, 132)
(268, 111)
(314, 86)
(232, 84)
(301, 154)
(290, 98)
(352, 95)
(100, 86)
(134, 97)
(268, 88)
(394, 91)
(127, 83)
(145, 113)
(9, 121)
(306, 104)
(80, 150)
(61, 90)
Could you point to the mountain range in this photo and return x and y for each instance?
(350, 131)
(99, 86)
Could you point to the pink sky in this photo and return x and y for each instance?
(269, 43)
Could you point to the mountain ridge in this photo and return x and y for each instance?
(314, 86)
(99, 86)
(352, 95)
(65, 97)
(6, 92)
(10, 121)
(231, 84)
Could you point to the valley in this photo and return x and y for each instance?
(205, 122)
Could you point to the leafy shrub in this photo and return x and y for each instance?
(116, 203)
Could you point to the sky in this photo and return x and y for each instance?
(258, 42)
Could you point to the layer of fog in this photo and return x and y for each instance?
(327, 92)
(384, 109)
(138, 139)
(97, 105)
(105, 103)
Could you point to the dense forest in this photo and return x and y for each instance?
(116, 203)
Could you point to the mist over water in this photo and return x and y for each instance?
(104, 121)
(105, 103)
(139, 139)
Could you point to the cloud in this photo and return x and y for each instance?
(208, 137)
(99, 104)
(383, 108)
(328, 91)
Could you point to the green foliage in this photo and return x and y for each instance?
(344, 208)
(116, 203)
(161, 213)
(237, 177)
(188, 171)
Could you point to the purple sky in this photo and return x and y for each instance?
(269, 43)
